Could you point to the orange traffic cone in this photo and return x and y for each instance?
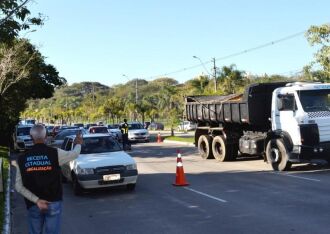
(159, 138)
(180, 179)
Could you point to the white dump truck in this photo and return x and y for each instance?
(286, 123)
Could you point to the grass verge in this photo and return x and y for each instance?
(181, 139)
(4, 156)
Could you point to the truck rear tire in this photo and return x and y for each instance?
(222, 151)
(204, 146)
(277, 155)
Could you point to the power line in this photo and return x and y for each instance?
(231, 55)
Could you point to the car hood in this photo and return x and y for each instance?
(137, 131)
(104, 159)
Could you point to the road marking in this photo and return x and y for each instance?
(205, 194)
(298, 177)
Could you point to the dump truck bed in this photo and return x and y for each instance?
(253, 107)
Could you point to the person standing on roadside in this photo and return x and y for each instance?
(124, 131)
(38, 179)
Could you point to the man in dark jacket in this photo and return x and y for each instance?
(38, 179)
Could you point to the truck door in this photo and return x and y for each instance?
(284, 116)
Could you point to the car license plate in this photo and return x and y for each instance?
(111, 177)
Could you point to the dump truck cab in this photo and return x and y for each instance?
(301, 115)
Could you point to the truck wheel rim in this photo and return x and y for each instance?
(275, 155)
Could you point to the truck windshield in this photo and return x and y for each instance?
(315, 100)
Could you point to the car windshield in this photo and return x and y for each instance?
(135, 126)
(102, 144)
(25, 131)
(66, 133)
(315, 100)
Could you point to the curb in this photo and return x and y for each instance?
(179, 142)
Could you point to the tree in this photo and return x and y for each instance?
(40, 82)
(231, 79)
(15, 63)
(320, 36)
(14, 18)
(197, 85)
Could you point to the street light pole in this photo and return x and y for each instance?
(215, 75)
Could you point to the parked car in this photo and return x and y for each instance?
(87, 126)
(116, 132)
(79, 125)
(136, 132)
(21, 137)
(101, 163)
(156, 126)
(98, 129)
(186, 126)
(55, 130)
(58, 129)
(49, 129)
(58, 140)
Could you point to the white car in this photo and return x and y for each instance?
(21, 137)
(101, 163)
(187, 126)
(136, 132)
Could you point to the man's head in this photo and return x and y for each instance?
(125, 120)
(38, 133)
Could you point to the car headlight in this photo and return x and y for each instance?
(131, 167)
(84, 171)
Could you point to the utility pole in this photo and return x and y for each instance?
(136, 91)
(215, 75)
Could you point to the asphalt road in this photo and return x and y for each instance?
(233, 197)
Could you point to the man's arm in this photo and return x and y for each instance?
(67, 156)
(21, 189)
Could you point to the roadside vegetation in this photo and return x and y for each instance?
(4, 157)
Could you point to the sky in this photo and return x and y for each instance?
(103, 39)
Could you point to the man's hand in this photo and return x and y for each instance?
(42, 205)
(79, 139)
